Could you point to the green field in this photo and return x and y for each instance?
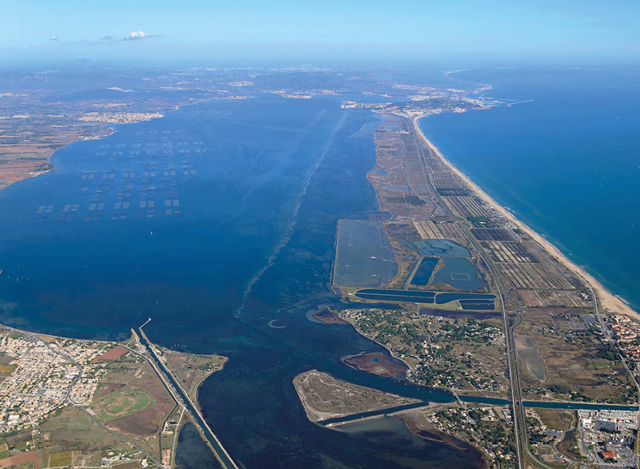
(122, 404)
(60, 459)
(7, 369)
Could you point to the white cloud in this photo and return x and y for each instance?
(138, 35)
(53, 38)
(134, 36)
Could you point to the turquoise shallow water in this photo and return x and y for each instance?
(567, 162)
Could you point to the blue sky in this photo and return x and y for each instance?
(167, 30)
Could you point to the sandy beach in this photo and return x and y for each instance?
(607, 302)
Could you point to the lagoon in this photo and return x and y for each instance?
(253, 242)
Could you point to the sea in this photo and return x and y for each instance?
(563, 154)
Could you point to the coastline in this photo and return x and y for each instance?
(607, 300)
(107, 126)
(76, 139)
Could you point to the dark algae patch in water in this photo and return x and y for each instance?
(266, 182)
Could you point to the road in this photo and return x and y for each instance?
(519, 427)
(512, 362)
(181, 396)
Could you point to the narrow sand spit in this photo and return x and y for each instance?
(606, 300)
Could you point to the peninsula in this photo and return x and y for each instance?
(471, 300)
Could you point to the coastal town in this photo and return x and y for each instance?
(91, 403)
(626, 334)
(489, 429)
(119, 117)
(609, 436)
(39, 377)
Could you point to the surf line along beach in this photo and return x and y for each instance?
(607, 300)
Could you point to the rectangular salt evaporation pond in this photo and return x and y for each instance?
(459, 274)
(424, 271)
(363, 255)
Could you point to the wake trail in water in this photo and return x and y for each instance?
(286, 237)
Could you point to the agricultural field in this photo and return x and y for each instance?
(562, 356)
(553, 298)
(533, 276)
(70, 436)
(442, 178)
(537, 279)
(62, 459)
(399, 175)
(431, 230)
(466, 207)
(491, 234)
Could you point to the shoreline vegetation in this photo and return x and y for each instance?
(607, 299)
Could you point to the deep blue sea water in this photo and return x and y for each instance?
(174, 219)
(567, 162)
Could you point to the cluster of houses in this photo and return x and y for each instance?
(625, 332)
(41, 376)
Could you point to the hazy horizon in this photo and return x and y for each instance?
(499, 32)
